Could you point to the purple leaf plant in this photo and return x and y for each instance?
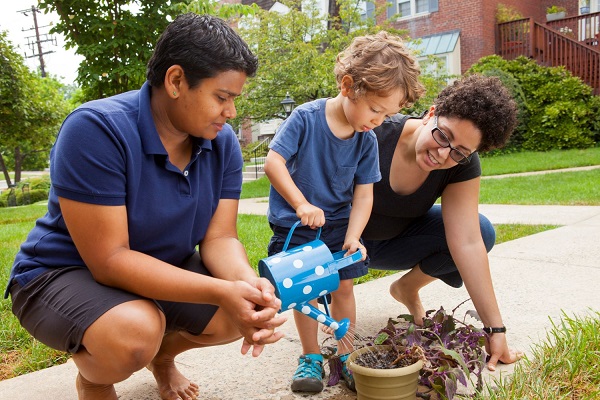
(452, 349)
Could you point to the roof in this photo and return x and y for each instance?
(439, 43)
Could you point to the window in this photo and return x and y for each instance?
(422, 6)
(408, 8)
(404, 9)
(438, 54)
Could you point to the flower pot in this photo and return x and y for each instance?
(379, 384)
(555, 16)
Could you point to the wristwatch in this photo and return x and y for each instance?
(490, 330)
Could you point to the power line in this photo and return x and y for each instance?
(35, 42)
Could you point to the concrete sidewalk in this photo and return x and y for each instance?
(537, 279)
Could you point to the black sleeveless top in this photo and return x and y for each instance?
(392, 213)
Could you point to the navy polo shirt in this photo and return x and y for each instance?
(108, 152)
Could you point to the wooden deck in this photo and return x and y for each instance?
(571, 42)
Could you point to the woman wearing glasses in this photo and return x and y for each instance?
(435, 156)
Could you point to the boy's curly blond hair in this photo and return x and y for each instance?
(380, 63)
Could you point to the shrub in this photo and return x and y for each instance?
(506, 13)
(39, 188)
(42, 182)
(555, 9)
(557, 110)
(248, 151)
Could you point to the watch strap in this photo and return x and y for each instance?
(490, 330)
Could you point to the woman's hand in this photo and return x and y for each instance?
(253, 308)
(497, 347)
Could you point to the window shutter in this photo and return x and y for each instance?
(433, 6)
(392, 9)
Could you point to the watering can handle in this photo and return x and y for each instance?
(339, 261)
(291, 232)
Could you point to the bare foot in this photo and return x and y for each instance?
(172, 385)
(410, 298)
(87, 390)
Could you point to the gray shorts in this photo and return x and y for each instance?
(58, 306)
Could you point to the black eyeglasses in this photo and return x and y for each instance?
(442, 139)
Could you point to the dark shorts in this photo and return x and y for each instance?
(424, 243)
(58, 306)
(333, 234)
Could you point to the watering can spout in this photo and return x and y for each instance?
(339, 328)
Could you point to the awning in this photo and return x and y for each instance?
(439, 43)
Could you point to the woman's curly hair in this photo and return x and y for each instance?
(486, 102)
(380, 63)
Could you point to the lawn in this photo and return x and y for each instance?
(529, 161)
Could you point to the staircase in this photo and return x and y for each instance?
(571, 42)
(255, 169)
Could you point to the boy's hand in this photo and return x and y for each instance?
(311, 215)
(354, 245)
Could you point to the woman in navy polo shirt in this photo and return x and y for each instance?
(111, 273)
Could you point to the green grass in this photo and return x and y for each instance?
(257, 188)
(20, 353)
(539, 161)
(560, 188)
(563, 367)
(254, 233)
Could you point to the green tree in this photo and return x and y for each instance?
(557, 109)
(297, 53)
(32, 109)
(117, 37)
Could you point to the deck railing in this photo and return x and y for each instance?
(583, 28)
(549, 47)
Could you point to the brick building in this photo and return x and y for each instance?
(459, 32)
(469, 24)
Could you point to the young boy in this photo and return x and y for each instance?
(322, 164)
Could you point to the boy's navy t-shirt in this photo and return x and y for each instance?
(324, 167)
(108, 152)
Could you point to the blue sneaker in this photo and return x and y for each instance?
(309, 374)
(347, 374)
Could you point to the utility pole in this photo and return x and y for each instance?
(37, 43)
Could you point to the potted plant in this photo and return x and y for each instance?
(450, 350)
(555, 12)
(386, 371)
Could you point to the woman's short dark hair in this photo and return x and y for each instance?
(203, 46)
(486, 102)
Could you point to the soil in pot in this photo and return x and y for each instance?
(382, 360)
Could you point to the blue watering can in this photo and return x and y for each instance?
(304, 273)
